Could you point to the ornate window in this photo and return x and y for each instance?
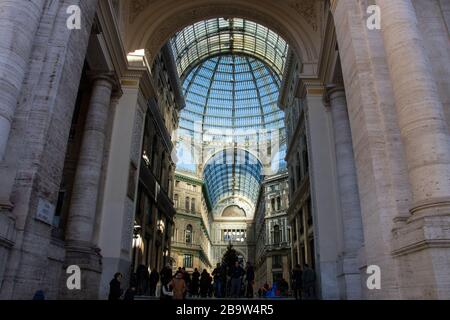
(176, 200)
(188, 261)
(276, 234)
(187, 202)
(188, 234)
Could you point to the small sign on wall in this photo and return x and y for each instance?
(45, 211)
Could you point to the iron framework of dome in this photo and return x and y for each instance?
(231, 101)
(231, 75)
(231, 173)
(217, 36)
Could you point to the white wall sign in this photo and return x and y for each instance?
(45, 211)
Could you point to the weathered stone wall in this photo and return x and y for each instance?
(380, 161)
(402, 168)
(39, 133)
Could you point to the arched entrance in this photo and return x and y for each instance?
(367, 154)
(309, 73)
(334, 232)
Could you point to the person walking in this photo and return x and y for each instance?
(187, 280)
(217, 277)
(179, 287)
(165, 277)
(153, 282)
(225, 280)
(309, 282)
(204, 283)
(195, 283)
(115, 291)
(166, 274)
(142, 279)
(297, 282)
(236, 274)
(250, 279)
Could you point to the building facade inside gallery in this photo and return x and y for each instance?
(162, 131)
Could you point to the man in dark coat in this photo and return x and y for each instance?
(205, 282)
(297, 282)
(309, 282)
(217, 274)
(115, 292)
(154, 279)
(195, 282)
(236, 274)
(187, 280)
(249, 278)
(143, 278)
(166, 274)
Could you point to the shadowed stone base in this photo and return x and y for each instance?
(90, 262)
(422, 247)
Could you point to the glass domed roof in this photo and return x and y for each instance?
(231, 72)
(220, 36)
(231, 102)
(232, 92)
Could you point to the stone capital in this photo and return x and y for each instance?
(310, 87)
(331, 92)
(109, 77)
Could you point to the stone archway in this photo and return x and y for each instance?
(301, 24)
(401, 149)
(296, 21)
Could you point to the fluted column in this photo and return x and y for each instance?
(19, 21)
(348, 192)
(87, 178)
(420, 111)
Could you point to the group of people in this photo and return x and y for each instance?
(224, 281)
(280, 288)
(304, 282)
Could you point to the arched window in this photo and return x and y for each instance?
(188, 234)
(187, 203)
(175, 200)
(193, 205)
(276, 234)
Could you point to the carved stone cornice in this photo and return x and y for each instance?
(310, 87)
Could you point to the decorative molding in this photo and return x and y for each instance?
(161, 35)
(184, 178)
(137, 6)
(310, 87)
(308, 10)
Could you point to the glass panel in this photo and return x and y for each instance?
(224, 36)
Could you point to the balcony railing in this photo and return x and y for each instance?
(278, 246)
